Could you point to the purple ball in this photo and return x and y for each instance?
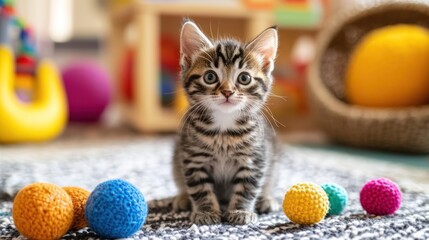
(380, 196)
(88, 88)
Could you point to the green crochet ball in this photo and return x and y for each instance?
(337, 198)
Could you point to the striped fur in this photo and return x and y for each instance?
(225, 152)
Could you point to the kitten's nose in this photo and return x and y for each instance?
(227, 93)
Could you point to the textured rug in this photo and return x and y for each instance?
(93, 156)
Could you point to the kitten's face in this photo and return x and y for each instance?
(227, 76)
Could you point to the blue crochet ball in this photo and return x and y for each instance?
(337, 198)
(116, 209)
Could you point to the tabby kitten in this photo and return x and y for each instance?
(225, 152)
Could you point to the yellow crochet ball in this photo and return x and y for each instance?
(389, 68)
(42, 211)
(78, 196)
(306, 203)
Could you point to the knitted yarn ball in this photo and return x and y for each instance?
(42, 211)
(337, 198)
(380, 196)
(116, 209)
(305, 203)
(78, 196)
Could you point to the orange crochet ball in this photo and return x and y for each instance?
(42, 211)
(78, 196)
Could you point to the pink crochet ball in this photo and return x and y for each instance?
(380, 196)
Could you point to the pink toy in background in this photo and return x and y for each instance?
(88, 88)
(380, 197)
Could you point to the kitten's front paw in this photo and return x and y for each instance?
(206, 218)
(240, 217)
(181, 203)
(266, 205)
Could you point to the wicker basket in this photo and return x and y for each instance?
(404, 129)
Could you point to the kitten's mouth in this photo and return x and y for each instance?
(227, 105)
(227, 102)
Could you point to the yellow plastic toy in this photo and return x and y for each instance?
(306, 203)
(389, 68)
(44, 117)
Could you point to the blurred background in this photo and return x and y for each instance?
(119, 64)
(112, 34)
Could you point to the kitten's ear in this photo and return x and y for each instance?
(192, 39)
(265, 45)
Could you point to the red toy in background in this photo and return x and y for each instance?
(169, 75)
(170, 69)
(170, 54)
(126, 82)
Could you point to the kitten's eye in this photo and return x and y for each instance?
(244, 78)
(210, 77)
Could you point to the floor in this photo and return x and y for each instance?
(86, 155)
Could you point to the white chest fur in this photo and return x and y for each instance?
(225, 120)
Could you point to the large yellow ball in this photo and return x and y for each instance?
(390, 68)
(42, 211)
(306, 203)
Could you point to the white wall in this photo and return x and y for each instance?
(88, 20)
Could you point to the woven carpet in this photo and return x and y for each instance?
(95, 155)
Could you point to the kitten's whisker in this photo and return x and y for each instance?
(268, 110)
(266, 119)
(205, 58)
(185, 111)
(211, 33)
(186, 122)
(202, 107)
(245, 111)
(174, 92)
(217, 34)
(284, 98)
(272, 116)
(205, 52)
(188, 113)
